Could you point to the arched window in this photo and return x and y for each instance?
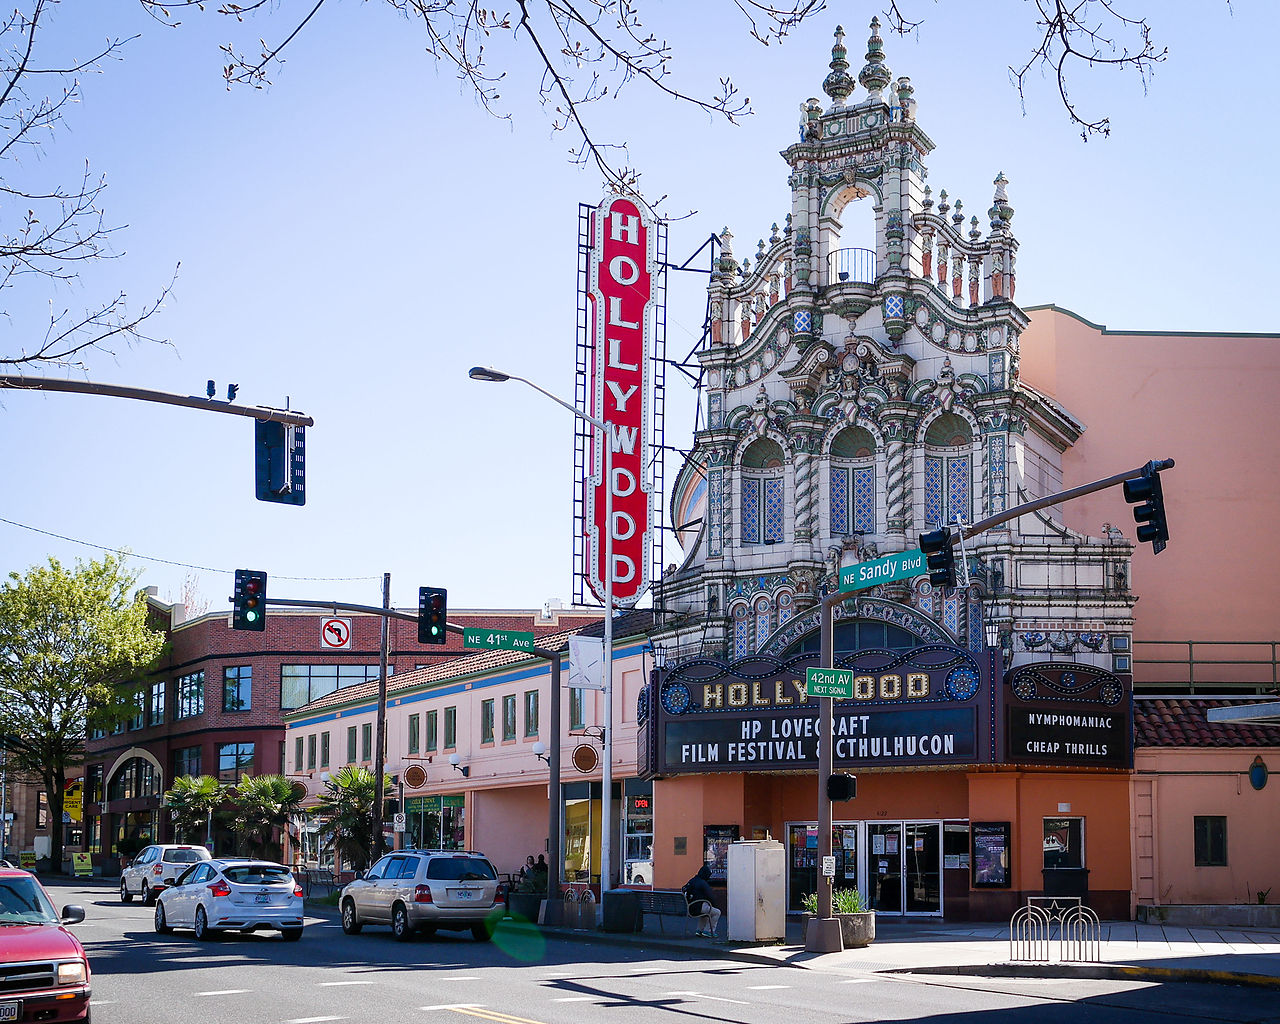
(762, 492)
(136, 778)
(853, 482)
(764, 619)
(948, 470)
(743, 628)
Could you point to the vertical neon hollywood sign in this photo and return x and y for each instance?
(621, 289)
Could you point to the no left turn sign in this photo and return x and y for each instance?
(335, 634)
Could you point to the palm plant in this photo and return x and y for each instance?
(262, 804)
(346, 811)
(192, 801)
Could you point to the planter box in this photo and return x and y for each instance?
(856, 930)
(524, 906)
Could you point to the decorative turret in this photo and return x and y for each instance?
(839, 84)
(1001, 212)
(875, 76)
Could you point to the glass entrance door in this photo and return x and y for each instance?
(884, 866)
(923, 857)
(802, 860)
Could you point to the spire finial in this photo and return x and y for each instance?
(838, 84)
(875, 75)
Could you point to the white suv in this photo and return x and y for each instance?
(422, 890)
(145, 875)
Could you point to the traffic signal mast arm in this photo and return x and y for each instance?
(982, 525)
(88, 387)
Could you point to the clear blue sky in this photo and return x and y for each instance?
(361, 233)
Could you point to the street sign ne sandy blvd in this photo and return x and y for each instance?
(492, 639)
(829, 682)
(901, 566)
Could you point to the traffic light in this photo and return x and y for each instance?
(249, 602)
(280, 462)
(842, 786)
(939, 557)
(432, 615)
(1149, 514)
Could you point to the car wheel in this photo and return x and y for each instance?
(350, 923)
(148, 894)
(202, 929)
(162, 925)
(481, 932)
(125, 895)
(291, 934)
(400, 927)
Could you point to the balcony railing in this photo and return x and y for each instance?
(1206, 666)
(857, 265)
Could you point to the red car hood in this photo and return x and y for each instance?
(20, 942)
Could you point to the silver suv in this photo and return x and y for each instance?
(422, 890)
(145, 875)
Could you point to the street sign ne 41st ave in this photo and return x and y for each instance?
(497, 640)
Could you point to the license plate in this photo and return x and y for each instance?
(463, 894)
(261, 899)
(11, 1011)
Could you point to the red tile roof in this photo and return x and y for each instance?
(1181, 722)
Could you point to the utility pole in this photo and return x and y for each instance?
(380, 757)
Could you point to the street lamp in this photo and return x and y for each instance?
(488, 373)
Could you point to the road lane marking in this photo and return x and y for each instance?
(453, 1006)
(461, 977)
(355, 981)
(494, 1015)
(761, 988)
(225, 992)
(855, 981)
(718, 999)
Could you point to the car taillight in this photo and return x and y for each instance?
(297, 889)
(422, 894)
(219, 888)
(501, 894)
(158, 869)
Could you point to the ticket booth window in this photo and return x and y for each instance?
(1063, 843)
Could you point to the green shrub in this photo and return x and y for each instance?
(843, 901)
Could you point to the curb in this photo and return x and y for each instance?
(1102, 972)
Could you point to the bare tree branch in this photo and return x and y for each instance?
(47, 232)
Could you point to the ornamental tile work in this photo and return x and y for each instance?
(773, 512)
(864, 499)
(996, 479)
(715, 508)
(750, 511)
(786, 608)
(958, 478)
(951, 613)
(995, 372)
(741, 631)
(803, 320)
(839, 500)
(893, 306)
(763, 619)
(933, 490)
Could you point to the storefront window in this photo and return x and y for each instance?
(436, 822)
(579, 851)
(638, 841)
(1063, 843)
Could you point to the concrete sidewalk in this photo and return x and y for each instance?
(1128, 949)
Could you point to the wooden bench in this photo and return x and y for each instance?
(664, 903)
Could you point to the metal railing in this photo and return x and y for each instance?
(1032, 928)
(1207, 666)
(856, 265)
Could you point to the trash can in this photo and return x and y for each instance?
(621, 911)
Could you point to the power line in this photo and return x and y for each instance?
(126, 553)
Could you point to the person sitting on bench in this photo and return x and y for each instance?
(698, 892)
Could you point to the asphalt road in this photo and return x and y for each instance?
(520, 978)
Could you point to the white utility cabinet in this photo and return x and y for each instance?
(756, 890)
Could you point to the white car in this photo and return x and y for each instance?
(225, 894)
(145, 875)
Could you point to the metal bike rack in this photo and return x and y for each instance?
(1032, 930)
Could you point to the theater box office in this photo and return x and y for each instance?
(976, 788)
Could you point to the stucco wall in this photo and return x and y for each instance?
(1185, 783)
(1210, 404)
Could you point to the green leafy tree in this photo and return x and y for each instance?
(73, 642)
(346, 811)
(192, 801)
(263, 804)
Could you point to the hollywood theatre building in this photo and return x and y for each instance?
(861, 386)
